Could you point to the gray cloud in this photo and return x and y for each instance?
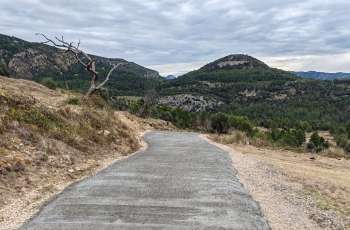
(160, 33)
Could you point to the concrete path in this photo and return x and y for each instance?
(179, 182)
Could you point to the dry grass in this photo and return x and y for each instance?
(325, 180)
(49, 139)
(260, 140)
(233, 138)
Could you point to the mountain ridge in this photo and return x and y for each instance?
(323, 75)
(39, 62)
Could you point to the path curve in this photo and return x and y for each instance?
(180, 182)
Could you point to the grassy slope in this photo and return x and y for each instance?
(49, 139)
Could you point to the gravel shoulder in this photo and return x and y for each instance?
(294, 192)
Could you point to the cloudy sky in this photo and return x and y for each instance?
(174, 36)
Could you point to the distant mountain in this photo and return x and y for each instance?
(243, 85)
(170, 77)
(323, 76)
(38, 62)
(234, 61)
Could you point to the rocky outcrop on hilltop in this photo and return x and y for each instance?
(235, 61)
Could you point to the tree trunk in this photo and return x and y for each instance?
(92, 69)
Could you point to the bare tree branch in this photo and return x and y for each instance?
(108, 75)
(83, 58)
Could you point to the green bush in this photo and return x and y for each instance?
(310, 146)
(241, 123)
(135, 106)
(49, 83)
(35, 116)
(317, 143)
(220, 123)
(287, 137)
(182, 119)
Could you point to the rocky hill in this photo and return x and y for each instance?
(235, 61)
(243, 85)
(43, 63)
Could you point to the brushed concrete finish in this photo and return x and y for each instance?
(180, 182)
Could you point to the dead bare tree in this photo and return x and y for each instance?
(150, 98)
(84, 59)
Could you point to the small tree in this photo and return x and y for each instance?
(84, 59)
(148, 101)
(150, 98)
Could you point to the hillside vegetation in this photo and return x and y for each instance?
(270, 97)
(239, 85)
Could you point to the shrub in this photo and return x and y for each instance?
(241, 123)
(73, 101)
(182, 119)
(135, 106)
(163, 113)
(35, 116)
(288, 137)
(310, 146)
(49, 83)
(220, 123)
(317, 143)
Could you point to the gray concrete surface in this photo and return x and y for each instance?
(179, 182)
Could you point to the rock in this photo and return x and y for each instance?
(106, 133)
(190, 103)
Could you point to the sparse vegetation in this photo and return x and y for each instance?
(55, 142)
(73, 101)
